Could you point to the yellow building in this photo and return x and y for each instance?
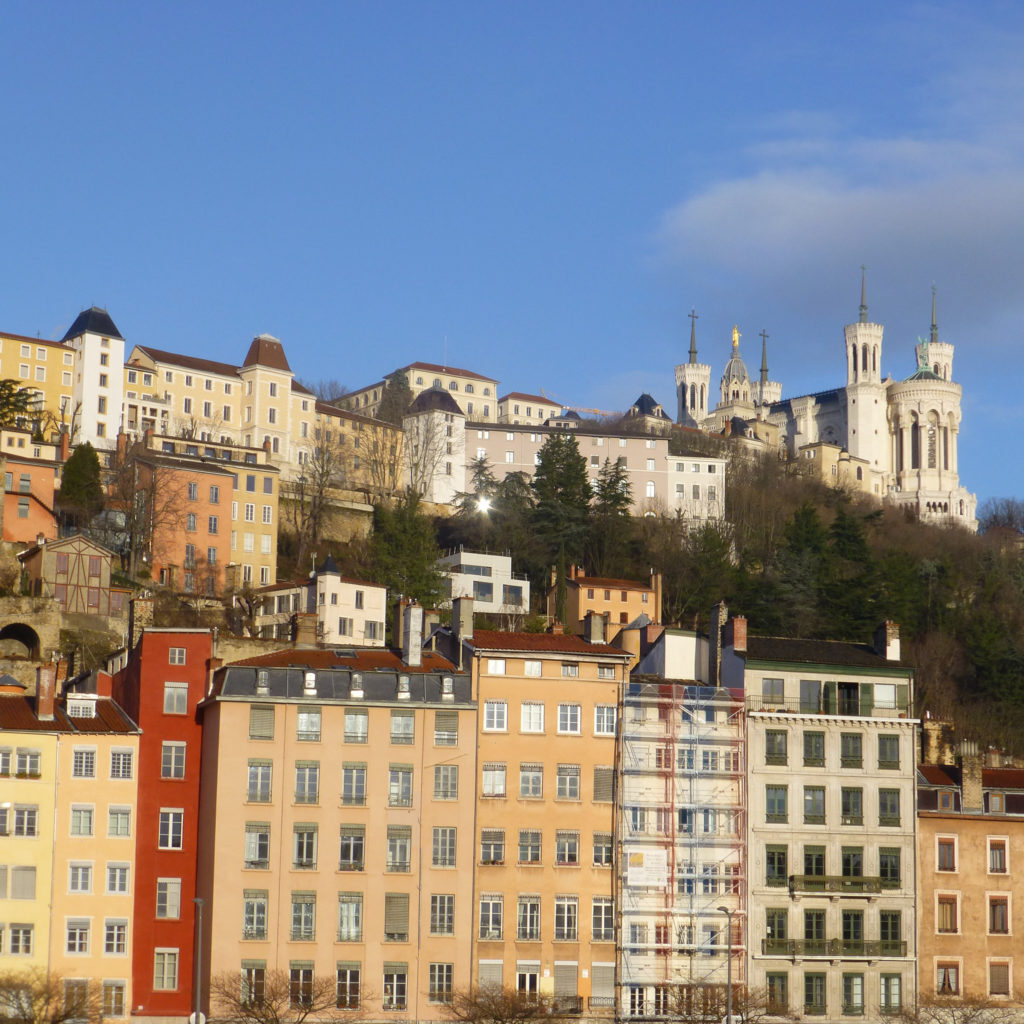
(45, 366)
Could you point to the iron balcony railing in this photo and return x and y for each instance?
(833, 947)
(848, 884)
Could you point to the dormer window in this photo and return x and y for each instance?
(82, 706)
(403, 688)
(996, 803)
(356, 686)
(945, 800)
(262, 682)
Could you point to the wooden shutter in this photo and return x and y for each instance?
(446, 722)
(565, 980)
(261, 721)
(602, 982)
(489, 973)
(396, 913)
(604, 781)
(867, 699)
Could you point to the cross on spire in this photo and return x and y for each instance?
(863, 294)
(693, 335)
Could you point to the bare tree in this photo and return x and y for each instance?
(430, 445)
(960, 1010)
(380, 454)
(272, 996)
(37, 997)
(324, 468)
(492, 1004)
(699, 1003)
(326, 389)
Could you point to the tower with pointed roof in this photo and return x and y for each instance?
(693, 382)
(98, 380)
(766, 392)
(865, 392)
(267, 379)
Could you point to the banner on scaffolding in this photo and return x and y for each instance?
(646, 868)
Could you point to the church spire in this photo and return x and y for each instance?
(764, 359)
(935, 326)
(693, 337)
(863, 295)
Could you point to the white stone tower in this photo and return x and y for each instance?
(867, 436)
(693, 381)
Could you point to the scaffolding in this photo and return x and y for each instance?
(680, 848)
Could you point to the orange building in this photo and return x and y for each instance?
(30, 471)
(618, 602)
(970, 881)
(337, 829)
(544, 891)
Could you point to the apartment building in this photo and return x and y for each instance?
(160, 687)
(970, 830)
(338, 826)
(616, 601)
(475, 394)
(544, 889)
(68, 791)
(31, 471)
(488, 579)
(692, 486)
(517, 407)
(830, 738)
(680, 841)
(348, 610)
(48, 367)
(75, 572)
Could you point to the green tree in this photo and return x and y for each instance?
(404, 553)
(562, 505)
(16, 402)
(396, 399)
(611, 523)
(81, 491)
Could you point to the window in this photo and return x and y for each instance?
(491, 916)
(570, 670)
(80, 878)
(395, 983)
(353, 784)
(260, 776)
(495, 716)
(442, 981)
(529, 846)
(567, 848)
(814, 749)
(775, 747)
(603, 919)
(888, 807)
(117, 878)
(947, 980)
(175, 698)
(303, 927)
(945, 854)
(776, 798)
(602, 849)
(996, 803)
(492, 846)
(495, 666)
(165, 969)
(604, 720)
(400, 786)
(403, 727)
(531, 716)
(531, 781)
(443, 848)
(77, 937)
(399, 848)
(528, 919)
(776, 865)
(81, 821)
(442, 914)
(567, 909)
(27, 764)
(115, 938)
(999, 979)
(254, 914)
(304, 842)
(352, 844)
(851, 803)
(999, 915)
(569, 719)
(113, 999)
(888, 751)
(947, 915)
(307, 782)
(446, 782)
(21, 939)
(350, 917)
(997, 856)
(356, 726)
(261, 722)
(83, 764)
(814, 805)
(853, 994)
(891, 995)
(851, 750)
(172, 824)
(889, 867)
(119, 821)
(567, 782)
(532, 669)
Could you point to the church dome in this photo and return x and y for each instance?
(735, 368)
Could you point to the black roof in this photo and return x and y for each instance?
(645, 405)
(329, 565)
(435, 398)
(95, 321)
(817, 652)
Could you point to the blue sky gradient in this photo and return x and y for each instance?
(537, 191)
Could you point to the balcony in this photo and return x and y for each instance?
(833, 948)
(601, 1002)
(350, 865)
(843, 885)
(569, 1005)
(844, 708)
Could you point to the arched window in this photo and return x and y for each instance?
(874, 359)
(864, 358)
(853, 352)
(860, 473)
(693, 396)
(702, 398)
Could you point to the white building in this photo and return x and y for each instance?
(486, 578)
(97, 391)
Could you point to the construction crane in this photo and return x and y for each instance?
(578, 408)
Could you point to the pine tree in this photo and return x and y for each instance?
(611, 523)
(81, 492)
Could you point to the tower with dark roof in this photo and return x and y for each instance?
(693, 381)
(98, 377)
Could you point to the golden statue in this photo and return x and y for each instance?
(735, 336)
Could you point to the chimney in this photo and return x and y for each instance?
(971, 788)
(736, 634)
(594, 627)
(140, 616)
(576, 572)
(65, 445)
(887, 641)
(556, 628)
(398, 621)
(46, 685)
(104, 683)
(412, 635)
(148, 438)
(719, 616)
(657, 584)
(431, 618)
(938, 742)
(304, 629)
(122, 445)
(462, 618)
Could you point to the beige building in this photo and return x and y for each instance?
(616, 602)
(475, 394)
(517, 407)
(338, 826)
(544, 916)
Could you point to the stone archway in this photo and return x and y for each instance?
(20, 634)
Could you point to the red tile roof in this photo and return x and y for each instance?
(554, 643)
(18, 712)
(531, 398)
(1002, 778)
(936, 775)
(434, 368)
(266, 350)
(189, 362)
(356, 659)
(607, 581)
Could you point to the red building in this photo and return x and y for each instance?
(164, 680)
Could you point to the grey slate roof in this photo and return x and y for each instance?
(95, 321)
(817, 652)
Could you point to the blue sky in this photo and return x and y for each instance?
(538, 191)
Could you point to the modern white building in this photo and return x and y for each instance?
(488, 579)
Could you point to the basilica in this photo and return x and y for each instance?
(895, 439)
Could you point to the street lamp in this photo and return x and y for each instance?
(728, 962)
